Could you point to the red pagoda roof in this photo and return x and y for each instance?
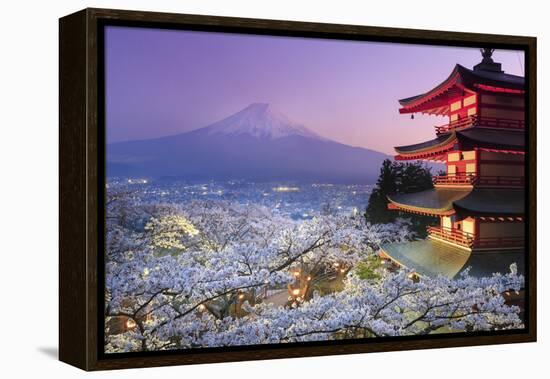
(429, 150)
(506, 141)
(461, 80)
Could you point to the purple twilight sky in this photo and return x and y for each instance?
(163, 82)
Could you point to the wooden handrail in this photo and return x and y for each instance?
(465, 178)
(452, 235)
(482, 121)
(499, 122)
(461, 123)
(479, 180)
(468, 240)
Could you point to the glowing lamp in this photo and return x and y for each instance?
(130, 324)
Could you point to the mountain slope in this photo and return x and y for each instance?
(259, 120)
(257, 144)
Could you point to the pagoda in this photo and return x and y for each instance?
(480, 200)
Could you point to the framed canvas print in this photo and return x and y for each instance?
(237, 189)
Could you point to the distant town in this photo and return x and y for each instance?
(300, 201)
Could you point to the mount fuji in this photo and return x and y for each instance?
(257, 143)
(260, 120)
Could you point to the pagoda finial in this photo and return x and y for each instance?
(487, 63)
(487, 55)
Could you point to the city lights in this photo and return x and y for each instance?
(286, 189)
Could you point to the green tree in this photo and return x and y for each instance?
(377, 209)
(398, 177)
(369, 268)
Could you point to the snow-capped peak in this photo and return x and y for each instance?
(260, 120)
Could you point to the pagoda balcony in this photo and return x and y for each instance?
(455, 179)
(467, 179)
(469, 241)
(455, 236)
(475, 120)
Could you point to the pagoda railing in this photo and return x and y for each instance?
(461, 123)
(454, 179)
(468, 240)
(469, 179)
(498, 242)
(455, 236)
(475, 120)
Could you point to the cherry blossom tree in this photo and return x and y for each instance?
(194, 275)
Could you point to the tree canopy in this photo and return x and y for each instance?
(398, 177)
(198, 275)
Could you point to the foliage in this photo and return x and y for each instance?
(369, 268)
(223, 256)
(398, 177)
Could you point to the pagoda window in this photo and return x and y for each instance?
(456, 105)
(446, 222)
(469, 225)
(469, 155)
(470, 100)
(453, 157)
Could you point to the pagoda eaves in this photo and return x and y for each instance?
(461, 81)
(442, 201)
(505, 141)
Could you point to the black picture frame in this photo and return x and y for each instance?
(82, 175)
